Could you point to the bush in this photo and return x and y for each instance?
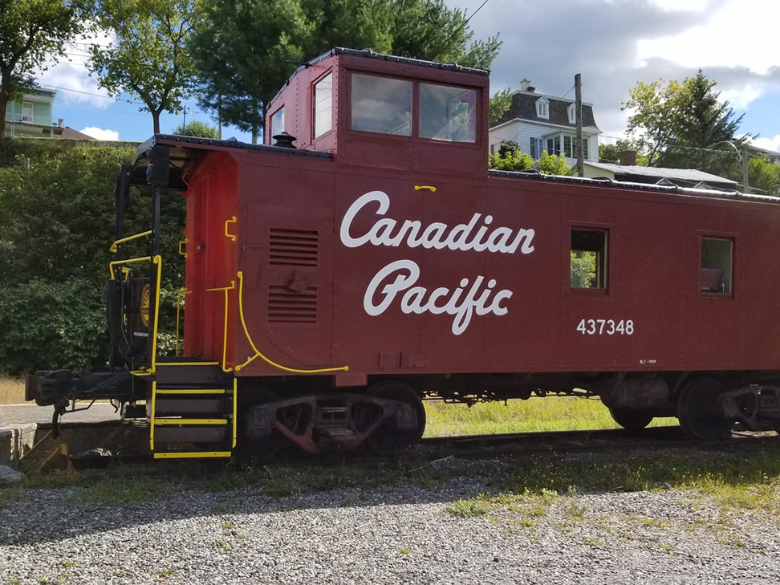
(57, 221)
(49, 325)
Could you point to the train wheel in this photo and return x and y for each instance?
(259, 443)
(698, 413)
(631, 420)
(389, 439)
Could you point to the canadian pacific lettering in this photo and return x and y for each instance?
(397, 282)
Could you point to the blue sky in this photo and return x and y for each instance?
(612, 43)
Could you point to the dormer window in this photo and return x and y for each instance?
(572, 114)
(543, 108)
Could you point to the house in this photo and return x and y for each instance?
(629, 171)
(540, 122)
(31, 116)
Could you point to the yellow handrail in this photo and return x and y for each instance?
(115, 245)
(129, 261)
(225, 332)
(152, 415)
(156, 260)
(258, 354)
(228, 235)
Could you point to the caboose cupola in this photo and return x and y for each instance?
(387, 112)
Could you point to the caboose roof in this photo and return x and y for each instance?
(369, 54)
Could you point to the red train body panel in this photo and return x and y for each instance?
(331, 287)
(347, 261)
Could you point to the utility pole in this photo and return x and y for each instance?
(185, 117)
(578, 118)
(744, 156)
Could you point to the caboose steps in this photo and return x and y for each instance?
(191, 411)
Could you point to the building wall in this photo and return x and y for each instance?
(40, 124)
(522, 132)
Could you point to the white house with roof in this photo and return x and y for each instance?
(539, 122)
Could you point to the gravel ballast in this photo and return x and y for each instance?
(396, 534)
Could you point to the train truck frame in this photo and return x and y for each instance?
(368, 259)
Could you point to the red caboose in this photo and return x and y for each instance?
(369, 258)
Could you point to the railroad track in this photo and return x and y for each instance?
(487, 445)
(670, 437)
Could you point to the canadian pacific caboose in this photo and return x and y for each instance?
(368, 259)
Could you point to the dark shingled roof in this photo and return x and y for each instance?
(524, 107)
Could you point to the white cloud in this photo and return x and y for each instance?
(100, 133)
(768, 143)
(70, 77)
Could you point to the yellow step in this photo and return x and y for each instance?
(190, 421)
(193, 391)
(191, 455)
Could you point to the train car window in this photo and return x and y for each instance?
(588, 268)
(448, 113)
(323, 105)
(381, 104)
(716, 263)
(277, 122)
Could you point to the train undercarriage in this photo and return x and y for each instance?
(195, 409)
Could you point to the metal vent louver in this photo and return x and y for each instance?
(293, 248)
(287, 306)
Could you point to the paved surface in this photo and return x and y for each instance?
(13, 415)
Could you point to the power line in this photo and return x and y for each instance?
(475, 12)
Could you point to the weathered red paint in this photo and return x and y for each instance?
(653, 258)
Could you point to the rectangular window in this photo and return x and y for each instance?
(448, 113)
(277, 122)
(716, 265)
(554, 145)
(588, 267)
(381, 104)
(537, 147)
(323, 105)
(27, 112)
(568, 146)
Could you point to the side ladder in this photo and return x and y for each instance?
(192, 411)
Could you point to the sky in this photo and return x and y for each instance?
(612, 43)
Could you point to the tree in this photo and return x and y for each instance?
(509, 158)
(676, 123)
(244, 51)
(148, 59)
(197, 128)
(500, 104)
(32, 32)
(428, 29)
(610, 153)
(550, 164)
(763, 175)
(356, 24)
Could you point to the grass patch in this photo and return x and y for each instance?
(11, 390)
(519, 416)
(469, 508)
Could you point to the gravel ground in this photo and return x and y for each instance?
(395, 534)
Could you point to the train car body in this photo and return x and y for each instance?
(332, 285)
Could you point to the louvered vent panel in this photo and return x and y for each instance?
(286, 306)
(293, 248)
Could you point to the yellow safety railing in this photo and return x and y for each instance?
(152, 414)
(226, 290)
(157, 261)
(258, 353)
(115, 245)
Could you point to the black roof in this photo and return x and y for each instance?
(524, 107)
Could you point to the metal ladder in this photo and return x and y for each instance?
(192, 411)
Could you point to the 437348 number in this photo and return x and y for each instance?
(606, 327)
